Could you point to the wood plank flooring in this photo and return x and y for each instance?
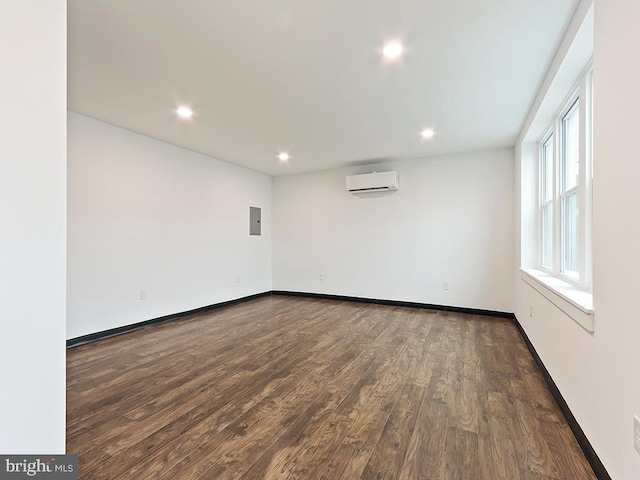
(296, 388)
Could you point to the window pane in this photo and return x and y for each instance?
(570, 233)
(547, 235)
(547, 170)
(571, 148)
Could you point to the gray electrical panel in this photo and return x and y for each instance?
(255, 216)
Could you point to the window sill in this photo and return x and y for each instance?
(574, 302)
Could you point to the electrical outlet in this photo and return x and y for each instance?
(636, 433)
(445, 285)
(143, 294)
(321, 277)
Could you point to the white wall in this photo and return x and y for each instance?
(146, 215)
(597, 373)
(32, 226)
(451, 220)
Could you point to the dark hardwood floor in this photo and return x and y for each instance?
(287, 387)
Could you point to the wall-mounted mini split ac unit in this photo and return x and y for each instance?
(372, 182)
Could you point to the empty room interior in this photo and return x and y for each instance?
(321, 240)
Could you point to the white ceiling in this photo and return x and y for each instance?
(307, 76)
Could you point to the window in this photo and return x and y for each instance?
(565, 191)
(569, 180)
(547, 202)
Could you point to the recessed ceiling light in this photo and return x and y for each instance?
(283, 157)
(184, 112)
(427, 133)
(392, 50)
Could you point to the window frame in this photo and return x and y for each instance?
(581, 95)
